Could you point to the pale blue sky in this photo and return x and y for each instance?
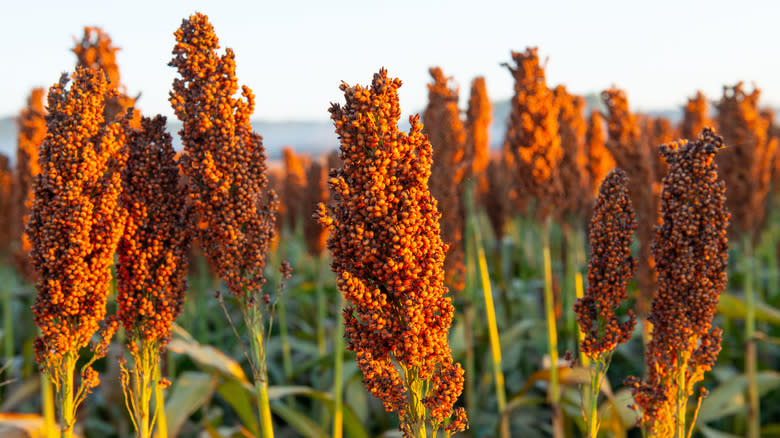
(294, 54)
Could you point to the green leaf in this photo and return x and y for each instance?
(237, 397)
(301, 423)
(709, 432)
(206, 356)
(191, 390)
(729, 397)
(733, 307)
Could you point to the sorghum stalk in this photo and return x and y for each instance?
(224, 161)
(691, 252)
(552, 332)
(388, 256)
(751, 356)
(610, 268)
(153, 263)
(74, 226)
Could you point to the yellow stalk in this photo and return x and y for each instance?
(552, 333)
(338, 370)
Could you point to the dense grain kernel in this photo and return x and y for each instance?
(600, 160)
(294, 187)
(388, 256)
(747, 163)
(576, 197)
(76, 219)
(95, 50)
(635, 155)
(32, 131)
(696, 115)
(610, 268)
(691, 253)
(224, 160)
(316, 192)
(478, 117)
(532, 136)
(451, 164)
(153, 249)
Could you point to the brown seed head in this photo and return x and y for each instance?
(532, 134)
(388, 254)
(316, 192)
(610, 268)
(695, 116)
(691, 253)
(447, 136)
(600, 160)
(76, 218)
(154, 247)
(224, 160)
(478, 117)
(294, 187)
(576, 197)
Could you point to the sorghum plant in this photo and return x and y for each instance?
(445, 131)
(691, 253)
(388, 256)
(225, 164)
(610, 268)
(32, 130)
(477, 126)
(153, 260)
(294, 188)
(75, 224)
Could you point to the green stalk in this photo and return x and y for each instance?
(322, 305)
(286, 352)
(338, 371)
(255, 327)
(469, 312)
(65, 401)
(552, 333)
(47, 406)
(596, 370)
(159, 406)
(495, 345)
(8, 321)
(682, 395)
(751, 360)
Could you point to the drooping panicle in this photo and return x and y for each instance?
(224, 159)
(691, 253)
(76, 220)
(532, 134)
(610, 268)
(32, 131)
(153, 251)
(447, 136)
(388, 256)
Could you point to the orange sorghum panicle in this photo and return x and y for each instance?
(696, 115)
(634, 155)
(747, 163)
(691, 253)
(389, 256)
(478, 117)
(294, 187)
(316, 192)
(532, 134)
(224, 160)
(610, 268)
(496, 200)
(153, 250)
(447, 136)
(32, 130)
(95, 50)
(76, 218)
(600, 160)
(577, 196)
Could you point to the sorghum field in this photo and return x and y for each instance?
(604, 273)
